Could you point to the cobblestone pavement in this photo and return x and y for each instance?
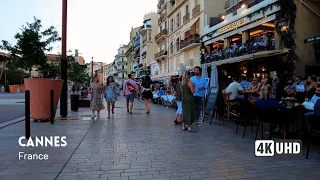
(141, 146)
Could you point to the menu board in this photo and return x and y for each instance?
(211, 101)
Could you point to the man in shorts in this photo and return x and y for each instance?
(130, 90)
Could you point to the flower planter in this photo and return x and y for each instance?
(22, 88)
(40, 96)
(13, 89)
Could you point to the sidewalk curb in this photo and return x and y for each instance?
(14, 121)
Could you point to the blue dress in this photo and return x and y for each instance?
(110, 93)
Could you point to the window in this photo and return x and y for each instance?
(172, 26)
(187, 9)
(149, 35)
(197, 27)
(178, 20)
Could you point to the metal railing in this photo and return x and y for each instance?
(162, 32)
(196, 10)
(161, 53)
(190, 40)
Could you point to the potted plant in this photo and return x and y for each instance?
(29, 53)
(77, 75)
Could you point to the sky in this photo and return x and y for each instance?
(95, 27)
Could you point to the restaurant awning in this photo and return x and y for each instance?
(244, 28)
(249, 57)
(189, 25)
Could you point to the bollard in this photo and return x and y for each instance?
(52, 107)
(27, 113)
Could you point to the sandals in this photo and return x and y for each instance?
(191, 130)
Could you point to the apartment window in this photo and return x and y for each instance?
(197, 27)
(187, 9)
(172, 26)
(178, 45)
(149, 35)
(186, 57)
(178, 20)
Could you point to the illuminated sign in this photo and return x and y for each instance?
(232, 26)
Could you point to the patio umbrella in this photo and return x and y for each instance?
(204, 71)
(214, 76)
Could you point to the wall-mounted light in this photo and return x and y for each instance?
(243, 5)
(223, 17)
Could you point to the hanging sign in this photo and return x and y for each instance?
(232, 26)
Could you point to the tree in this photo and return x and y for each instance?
(31, 47)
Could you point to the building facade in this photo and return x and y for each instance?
(260, 30)
(181, 23)
(120, 64)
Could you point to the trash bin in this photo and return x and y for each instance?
(74, 98)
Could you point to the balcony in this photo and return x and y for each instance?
(122, 70)
(162, 17)
(186, 17)
(161, 54)
(190, 42)
(121, 63)
(196, 10)
(144, 54)
(174, 5)
(161, 6)
(137, 55)
(230, 3)
(163, 33)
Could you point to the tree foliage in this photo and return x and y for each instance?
(76, 72)
(31, 47)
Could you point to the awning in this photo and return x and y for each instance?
(249, 57)
(244, 28)
(188, 26)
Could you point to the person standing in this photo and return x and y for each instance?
(147, 92)
(130, 90)
(188, 102)
(200, 85)
(111, 94)
(96, 103)
(178, 93)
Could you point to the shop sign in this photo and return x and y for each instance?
(311, 39)
(232, 26)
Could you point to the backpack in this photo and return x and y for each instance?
(130, 87)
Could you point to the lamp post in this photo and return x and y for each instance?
(92, 70)
(64, 64)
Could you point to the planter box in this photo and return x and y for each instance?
(40, 89)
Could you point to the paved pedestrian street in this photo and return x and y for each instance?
(141, 146)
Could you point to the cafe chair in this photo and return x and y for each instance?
(228, 105)
(218, 111)
(248, 116)
(315, 125)
(269, 116)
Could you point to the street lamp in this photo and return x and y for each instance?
(92, 70)
(64, 64)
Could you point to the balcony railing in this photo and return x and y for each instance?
(121, 63)
(161, 53)
(162, 33)
(137, 55)
(196, 10)
(195, 38)
(186, 17)
(161, 6)
(164, 15)
(122, 70)
(230, 3)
